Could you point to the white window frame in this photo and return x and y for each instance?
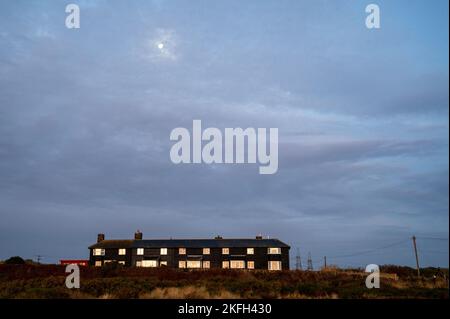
(121, 262)
(250, 264)
(98, 263)
(138, 263)
(163, 251)
(181, 251)
(122, 251)
(272, 263)
(225, 264)
(274, 250)
(182, 264)
(163, 263)
(206, 251)
(237, 264)
(206, 264)
(250, 251)
(140, 251)
(152, 263)
(194, 264)
(225, 251)
(98, 252)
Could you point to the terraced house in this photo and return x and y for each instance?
(252, 253)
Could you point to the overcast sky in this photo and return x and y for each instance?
(86, 114)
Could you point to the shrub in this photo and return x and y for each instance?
(16, 260)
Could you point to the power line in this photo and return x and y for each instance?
(432, 238)
(360, 253)
(371, 250)
(434, 251)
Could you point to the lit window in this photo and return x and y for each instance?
(181, 251)
(237, 264)
(250, 265)
(274, 265)
(149, 263)
(250, 251)
(182, 264)
(122, 251)
(107, 261)
(225, 264)
(138, 263)
(98, 263)
(206, 264)
(163, 263)
(225, 251)
(206, 251)
(194, 264)
(140, 251)
(163, 251)
(274, 250)
(98, 252)
(121, 262)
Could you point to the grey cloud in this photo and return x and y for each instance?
(85, 122)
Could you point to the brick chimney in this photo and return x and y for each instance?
(100, 237)
(259, 236)
(218, 237)
(138, 235)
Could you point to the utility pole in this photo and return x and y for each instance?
(298, 261)
(325, 262)
(417, 257)
(310, 264)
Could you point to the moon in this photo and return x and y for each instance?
(160, 46)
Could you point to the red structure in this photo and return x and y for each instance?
(79, 262)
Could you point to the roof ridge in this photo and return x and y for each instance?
(224, 238)
(189, 242)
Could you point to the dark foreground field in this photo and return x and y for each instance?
(48, 281)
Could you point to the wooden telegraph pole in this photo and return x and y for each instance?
(417, 257)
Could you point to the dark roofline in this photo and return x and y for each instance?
(113, 243)
(191, 243)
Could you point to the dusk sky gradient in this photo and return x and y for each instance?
(363, 119)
